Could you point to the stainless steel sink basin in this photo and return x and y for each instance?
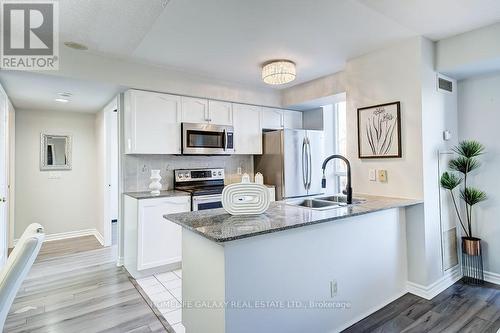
(323, 203)
(314, 204)
(340, 199)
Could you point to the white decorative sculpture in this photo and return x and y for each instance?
(155, 185)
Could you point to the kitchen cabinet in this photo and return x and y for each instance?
(152, 123)
(198, 110)
(292, 119)
(220, 113)
(194, 110)
(151, 242)
(273, 118)
(247, 122)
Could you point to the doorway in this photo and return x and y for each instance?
(109, 184)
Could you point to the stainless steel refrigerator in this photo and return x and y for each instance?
(291, 160)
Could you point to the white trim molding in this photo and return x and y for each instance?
(432, 290)
(99, 237)
(71, 234)
(492, 277)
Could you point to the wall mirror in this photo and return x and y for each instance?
(55, 152)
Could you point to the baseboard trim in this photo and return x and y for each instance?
(431, 291)
(120, 262)
(72, 234)
(492, 277)
(99, 237)
(371, 311)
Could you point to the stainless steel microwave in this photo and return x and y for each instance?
(207, 139)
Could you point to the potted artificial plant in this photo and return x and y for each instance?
(468, 152)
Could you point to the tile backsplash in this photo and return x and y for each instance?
(137, 168)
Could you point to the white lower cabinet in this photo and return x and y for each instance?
(152, 242)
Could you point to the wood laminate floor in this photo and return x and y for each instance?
(460, 308)
(79, 289)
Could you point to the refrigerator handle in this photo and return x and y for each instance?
(304, 163)
(309, 164)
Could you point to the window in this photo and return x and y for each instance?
(335, 130)
(340, 144)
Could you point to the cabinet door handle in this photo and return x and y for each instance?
(4, 199)
(207, 115)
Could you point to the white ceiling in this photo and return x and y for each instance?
(33, 91)
(230, 39)
(438, 19)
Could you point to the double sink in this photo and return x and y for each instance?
(323, 203)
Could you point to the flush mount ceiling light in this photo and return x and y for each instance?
(278, 72)
(62, 100)
(76, 46)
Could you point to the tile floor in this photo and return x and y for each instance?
(165, 291)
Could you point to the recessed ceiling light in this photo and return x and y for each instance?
(62, 100)
(76, 46)
(65, 94)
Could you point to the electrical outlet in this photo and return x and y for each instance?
(382, 176)
(333, 288)
(372, 175)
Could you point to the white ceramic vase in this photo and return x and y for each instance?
(155, 185)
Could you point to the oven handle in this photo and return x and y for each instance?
(207, 198)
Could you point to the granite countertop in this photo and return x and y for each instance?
(163, 194)
(219, 226)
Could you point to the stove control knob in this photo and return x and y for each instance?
(180, 175)
(220, 173)
(214, 173)
(187, 175)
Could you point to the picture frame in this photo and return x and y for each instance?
(379, 131)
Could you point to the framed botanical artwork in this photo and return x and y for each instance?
(379, 131)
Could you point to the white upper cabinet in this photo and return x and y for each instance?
(194, 110)
(152, 123)
(292, 119)
(272, 118)
(277, 118)
(199, 110)
(247, 122)
(220, 113)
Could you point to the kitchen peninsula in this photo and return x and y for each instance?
(292, 269)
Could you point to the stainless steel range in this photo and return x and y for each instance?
(204, 185)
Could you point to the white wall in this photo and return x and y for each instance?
(316, 89)
(439, 113)
(479, 118)
(12, 172)
(471, 53)
(101, 185)
(106, 136)
(62, 201)
(388, 75)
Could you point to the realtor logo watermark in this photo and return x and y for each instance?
(30, 35)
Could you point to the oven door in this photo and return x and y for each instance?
(206, 139)
(204, 202)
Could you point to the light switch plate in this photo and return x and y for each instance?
(372, 175)
(382, 176)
